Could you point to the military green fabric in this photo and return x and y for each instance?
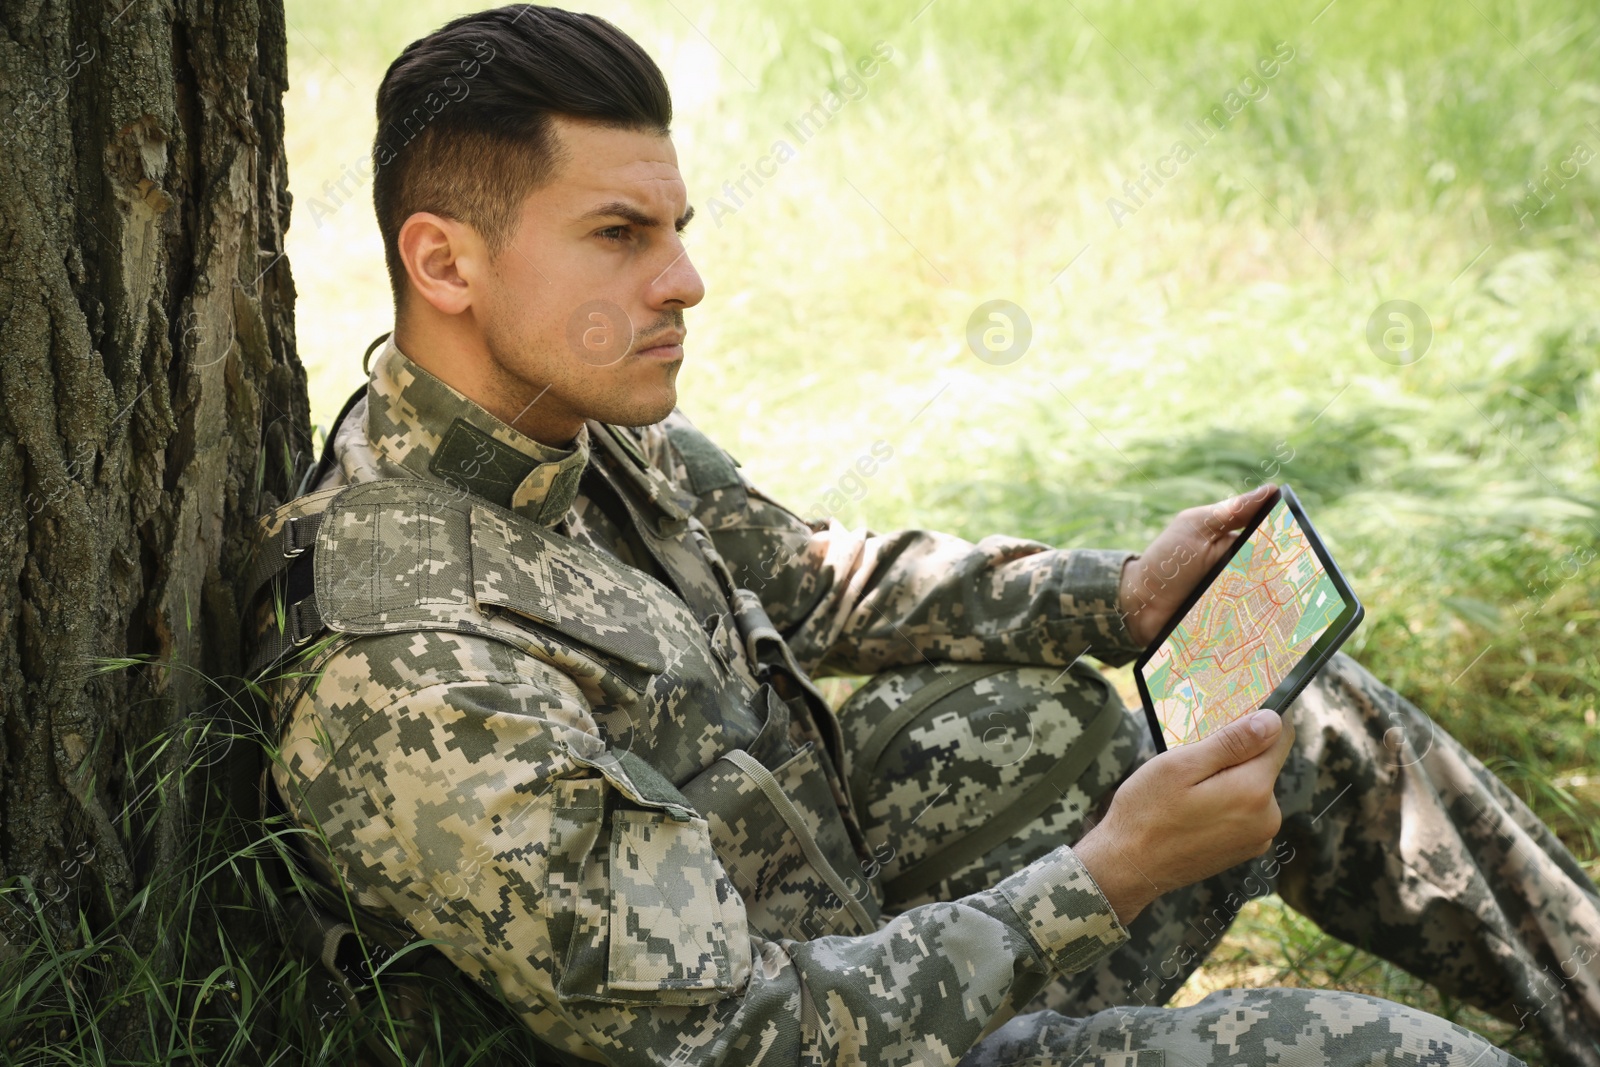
(407, 427)
(883, 709)
(954, 772)
(1394, 838)
(708, 466)
(1281, 1027)
(494, 740)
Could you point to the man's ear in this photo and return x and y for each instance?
(442, 258)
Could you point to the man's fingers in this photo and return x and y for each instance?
(1260, 774)
(1230, 514)
(1238, 742)
(1285, 742)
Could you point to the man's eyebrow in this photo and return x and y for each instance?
(621, 209)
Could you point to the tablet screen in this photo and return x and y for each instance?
(1256, 621)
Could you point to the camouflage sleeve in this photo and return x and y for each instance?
(462, 786)
(858, 601)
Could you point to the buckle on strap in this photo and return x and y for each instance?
(294, 541)
(302, 622)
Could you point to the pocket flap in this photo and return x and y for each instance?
(597, 602)
(671, 927)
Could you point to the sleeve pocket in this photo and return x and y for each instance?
(677, 927)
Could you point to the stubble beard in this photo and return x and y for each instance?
(573, 389)
(519, 392)
(667, 398)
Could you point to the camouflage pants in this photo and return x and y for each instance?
(1282, 1027)
(1394, 839)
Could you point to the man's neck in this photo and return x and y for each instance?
(461, 359)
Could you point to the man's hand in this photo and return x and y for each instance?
(1189, 813)
(1156, 582)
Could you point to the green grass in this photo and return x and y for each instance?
(101, 993)
(1218, 329)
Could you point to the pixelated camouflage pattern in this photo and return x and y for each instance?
(499, 765)
(972, 756)
(401, 419)
(459, 806)
(965, 758)
(1282, 1027)
(857, 600)
(677, 918)
(769, 861)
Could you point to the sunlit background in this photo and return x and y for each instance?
(1189, 337)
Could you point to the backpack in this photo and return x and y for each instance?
(963, 773)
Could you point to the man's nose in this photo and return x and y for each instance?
(678, 285)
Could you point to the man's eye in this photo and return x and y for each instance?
(614, 233)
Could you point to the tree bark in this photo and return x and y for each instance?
(151, 403)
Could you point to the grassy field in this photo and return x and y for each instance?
(1188, 337)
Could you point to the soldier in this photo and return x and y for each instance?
(542, 664)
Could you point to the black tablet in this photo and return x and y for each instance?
(1254, 631)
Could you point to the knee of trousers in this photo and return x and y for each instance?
(962, 773)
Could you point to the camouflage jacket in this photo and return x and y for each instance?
(565, 724)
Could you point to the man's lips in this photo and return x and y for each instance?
(667, 347)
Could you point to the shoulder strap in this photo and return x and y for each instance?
(395, 554)
(281, 564)
(709, 467)
(325, 463)
(284, 537)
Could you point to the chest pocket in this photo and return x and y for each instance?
(775, 825)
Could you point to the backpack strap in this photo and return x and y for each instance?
(894, 724)
(282, 556)
(1046, 791)
(282, 565)
(277, 552)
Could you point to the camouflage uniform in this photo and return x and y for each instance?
(565, 726)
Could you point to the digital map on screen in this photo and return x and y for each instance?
(1239, 640)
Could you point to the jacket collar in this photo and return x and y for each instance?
(671, 504)
(418, 422)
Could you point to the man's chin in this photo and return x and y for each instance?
(646, 406)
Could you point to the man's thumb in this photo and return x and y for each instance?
(1242, 739)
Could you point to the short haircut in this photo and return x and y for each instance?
(464, 115)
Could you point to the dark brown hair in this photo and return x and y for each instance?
(464, 113)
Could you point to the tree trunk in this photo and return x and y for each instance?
(151, 403)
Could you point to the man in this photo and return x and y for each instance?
(552, 702)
